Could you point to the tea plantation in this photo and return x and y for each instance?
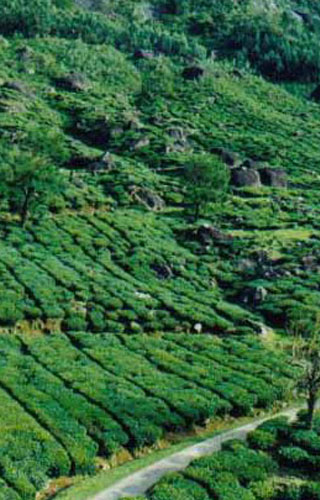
(279, 461)
(66, 399)
(159, 211)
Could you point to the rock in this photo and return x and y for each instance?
(179, 142)
(273, 177)
(198, 327)
(163, 271)
(193, 73)
(148, 198)
(206, 234)
(244, 177)
(309, 263)
(140, 143)
(246, 265)
(25, 53)
(143, 54)
(250, 163)
(229, 157)
(105, 164)
(74, 82)
(18, 87)
(315, 95)
(254, 296)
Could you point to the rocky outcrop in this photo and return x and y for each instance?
(228, 156)
(193, 73)
(148, 198)
(143, 54)
(105, 164)
(74, 82)
(245, 177)
(315, 95)
(273, 177)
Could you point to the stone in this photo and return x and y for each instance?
(254, 164)
(206, 234)
(148, 198)
(229, 157)
(140, 143)
(198, 327)
(254, 296)
(143, 54)
(309, 263)
(163, 271)
(245, 177)
(315, 95)
(104, 164)
(18, 87)
(273, 177)
(193, 73)
(74, 82)
(179, 142)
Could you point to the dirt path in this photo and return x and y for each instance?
(139, 482)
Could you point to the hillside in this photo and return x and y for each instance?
(124, 317)
(279, 460)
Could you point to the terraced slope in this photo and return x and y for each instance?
(70, 399)
(105, 274)
(278, 461)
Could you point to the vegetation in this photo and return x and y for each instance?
(286, 468)
(206, 182)
(117, 120)
(72, 398)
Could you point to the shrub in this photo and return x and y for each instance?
(294, 456)
(262, 440)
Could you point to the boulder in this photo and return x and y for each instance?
(254, 296)
(309, 263)
(179, 141)
(18, 86)
(148, 198)
(193, 73)
(143, 54)
(273, 177)
(250, 163)
(245, 177)
(104, 164)
(315, 95)
(228, 156)
(206, 234)
(74, 82)
(163, 271)
(137, 144)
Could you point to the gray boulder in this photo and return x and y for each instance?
(148, 198)
(228, 156)
(245, 177)
(273, 177)
(193, 73)
(74, 82)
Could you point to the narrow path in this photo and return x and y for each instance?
(139, 482)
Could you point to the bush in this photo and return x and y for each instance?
(294, 456)
(262, 440)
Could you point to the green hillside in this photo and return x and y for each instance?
(278, 461)
(125, 315)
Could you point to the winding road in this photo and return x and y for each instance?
(139, 482)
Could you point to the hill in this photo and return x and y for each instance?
(104, 270)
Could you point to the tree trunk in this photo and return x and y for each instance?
(312, 399)
(25, 206)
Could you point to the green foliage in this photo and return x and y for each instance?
(27, 182)
(207, 180)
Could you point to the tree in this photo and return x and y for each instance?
(27, 182)
(207, 180)
(307, 358)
